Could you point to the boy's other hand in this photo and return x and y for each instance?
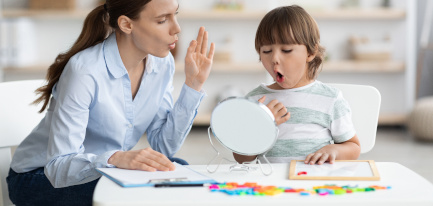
(278, 110)
(325, 154)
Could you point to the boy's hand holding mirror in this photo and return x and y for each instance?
(278, 110)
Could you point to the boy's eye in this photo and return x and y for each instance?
(266, 52)
(287, 51)
(163, 21)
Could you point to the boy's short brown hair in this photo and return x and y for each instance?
(292, 25)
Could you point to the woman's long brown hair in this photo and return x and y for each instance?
(100, 22)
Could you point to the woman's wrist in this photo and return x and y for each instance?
(194, 85)
(113, 158)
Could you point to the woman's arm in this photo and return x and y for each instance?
(67, 164)
(172, 124)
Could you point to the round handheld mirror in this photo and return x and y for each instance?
(244, 126)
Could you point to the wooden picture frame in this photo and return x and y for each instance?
(368, 167)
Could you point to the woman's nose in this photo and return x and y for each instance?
(176, 28)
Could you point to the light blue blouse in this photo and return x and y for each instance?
(92, 115)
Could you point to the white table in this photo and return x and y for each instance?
(408, 188)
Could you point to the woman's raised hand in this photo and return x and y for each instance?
(197, 62)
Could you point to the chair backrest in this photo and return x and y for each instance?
(17, 120)
(365, 104)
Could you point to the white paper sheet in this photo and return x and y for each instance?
(135, 178)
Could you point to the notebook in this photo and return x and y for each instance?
(138, 178)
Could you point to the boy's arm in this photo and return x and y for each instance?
(348, 150)
(243, 158)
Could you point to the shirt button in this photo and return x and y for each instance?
(130, 125)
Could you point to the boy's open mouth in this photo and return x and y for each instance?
(280, 77)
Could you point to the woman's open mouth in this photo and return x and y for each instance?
(279, 77)
(172, 46)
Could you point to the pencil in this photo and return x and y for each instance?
(179, 185)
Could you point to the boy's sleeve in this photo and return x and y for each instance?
(342, 128)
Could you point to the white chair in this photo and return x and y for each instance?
(365, 104)
(17, 120)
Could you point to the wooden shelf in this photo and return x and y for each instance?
(203, 119)
(331, 14)
(349, 66)
(334, 14)
(359, 14)
(37, 68)
(223, 67)
(346, 66)
(45, 14)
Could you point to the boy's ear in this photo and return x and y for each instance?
(125, 24)
(313, 55)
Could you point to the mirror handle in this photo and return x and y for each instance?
(215, 157)
(267, 161)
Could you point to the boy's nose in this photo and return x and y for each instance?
(275, 59)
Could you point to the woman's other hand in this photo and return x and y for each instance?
(144, 159)
(197, 62)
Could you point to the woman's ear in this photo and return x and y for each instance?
(125, 24)
(313, 55)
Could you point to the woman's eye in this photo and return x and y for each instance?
(163, 21)
(287, 51)
(266, 52)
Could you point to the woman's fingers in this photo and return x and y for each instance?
(150, 160)
(199, 39)
(211, 51)
(204, 44)
(191, 48)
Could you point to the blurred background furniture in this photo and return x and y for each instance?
(17, 119)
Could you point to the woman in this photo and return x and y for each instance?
(106, 93)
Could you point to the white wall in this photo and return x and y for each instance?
(426, 86)
(57, 35)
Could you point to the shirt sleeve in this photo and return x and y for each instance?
(342, 128)
(171, 124)
(67, 162)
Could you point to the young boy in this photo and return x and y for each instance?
(310, 115)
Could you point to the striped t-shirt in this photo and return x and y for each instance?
(319, 115)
